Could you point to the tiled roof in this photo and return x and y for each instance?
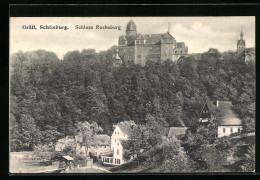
(126, 126)
(176, 131)
(228, 116)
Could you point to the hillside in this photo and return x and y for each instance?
(48, 96)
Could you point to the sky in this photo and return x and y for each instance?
(198, 33)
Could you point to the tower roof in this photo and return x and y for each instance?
(131, 26)
(241, 34)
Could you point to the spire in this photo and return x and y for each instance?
(241, 34)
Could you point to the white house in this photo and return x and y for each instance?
(228, 123)
(120, 133)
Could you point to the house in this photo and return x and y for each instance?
(227, 123)
(120, 133)
(100, 146)
(177, 132)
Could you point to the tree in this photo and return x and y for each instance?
(85, 134)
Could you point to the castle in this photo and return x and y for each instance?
(139, 48)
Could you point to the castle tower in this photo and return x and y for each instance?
(131, 28)
(241, 44)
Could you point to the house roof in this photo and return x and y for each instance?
(176, 131)
(102, 139)
(68, 158)
(125, 126)
(228, 116)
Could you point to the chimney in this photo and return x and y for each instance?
(217, 103)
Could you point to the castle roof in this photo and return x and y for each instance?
(149, 38)
(131, 26)
(180, 44)
(241, 41)
(225, 107)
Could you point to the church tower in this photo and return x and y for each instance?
(241, 44)
(131, 28)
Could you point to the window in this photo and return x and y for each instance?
(105, 146)
(231, 130)
(96, 153)
(117, 151)
(118, 161)
(139, 56)
(111, 160)
(118, 144)
(224, 130)
(115, 140)
(238, 130)
(115, 132)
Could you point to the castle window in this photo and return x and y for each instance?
(224, 130)
(137, 42)
(238, 130)
(117, 151)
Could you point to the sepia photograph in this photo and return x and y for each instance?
(132, 94)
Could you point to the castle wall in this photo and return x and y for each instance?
(166, 51)
(127, 53)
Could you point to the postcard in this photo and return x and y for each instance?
(132, 94)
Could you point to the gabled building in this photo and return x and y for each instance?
(138, 48)
(100, 146)
(228, 122)
(120, 133)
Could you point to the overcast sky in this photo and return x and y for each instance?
(198, 33)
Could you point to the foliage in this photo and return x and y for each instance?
(86, 134)
(50, 97)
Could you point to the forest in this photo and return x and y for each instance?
(49, 96)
